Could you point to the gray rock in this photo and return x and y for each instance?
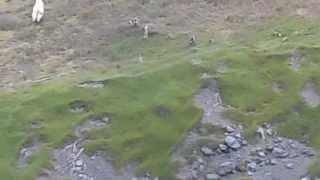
(244, 143)
(252, 167)
(229, 129)
(223, 148)
(289, 166)
(308, 153)
(225, 168)
(272, 162)
(232, 142)
(207, 151)
(212, 177)
(279, 153)
(261, 154)
(269, 147)
(277, 140)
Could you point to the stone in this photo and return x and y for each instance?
(225, 168)
(277, 140)
(223, 148)
(232, 142)
(308, 153)
(229, 129)
(279, 153)
(207, 151)
(269, 147)
(289, 166)
(212, 177)
(252, 167)
(79, 163)
(261, 154)
(273, 162)
(244, 143)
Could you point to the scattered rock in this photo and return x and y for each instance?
(289, 166)
(223, 148)
(229, 129)
(207, 151)
(212, 177)
(225, 168)
(232, 142)
(252, 167)
(280, 153)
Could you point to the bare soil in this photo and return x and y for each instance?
(74, 35)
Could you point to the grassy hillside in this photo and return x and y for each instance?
(137, 94)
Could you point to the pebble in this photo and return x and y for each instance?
(229, 129)
(207, 151)
(225, 168)
(252, 167)
(212, 177)
(289, 166)
(232, 142)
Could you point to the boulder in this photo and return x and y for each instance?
(225, 168)
(252, 167)
(279, 153)
(229, 129)
(232, 142)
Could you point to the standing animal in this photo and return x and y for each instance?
(146, 32)
(38, 11)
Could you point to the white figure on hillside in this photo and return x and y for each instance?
(146, 32)
(38, 11)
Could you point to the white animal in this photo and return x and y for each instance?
(146, 32)
(38, 11)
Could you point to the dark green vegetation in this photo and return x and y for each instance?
(151, 103)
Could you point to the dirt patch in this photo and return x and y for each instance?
(77, 39)
(310, 95)
(295, 60)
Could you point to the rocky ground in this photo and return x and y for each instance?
(207, 155)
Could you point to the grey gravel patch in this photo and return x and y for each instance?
(209, 99)
(27, 152)
(310, 95)
(270, 158)
(72, 163)
(295, 60)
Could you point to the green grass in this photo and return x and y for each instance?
(168, 81)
